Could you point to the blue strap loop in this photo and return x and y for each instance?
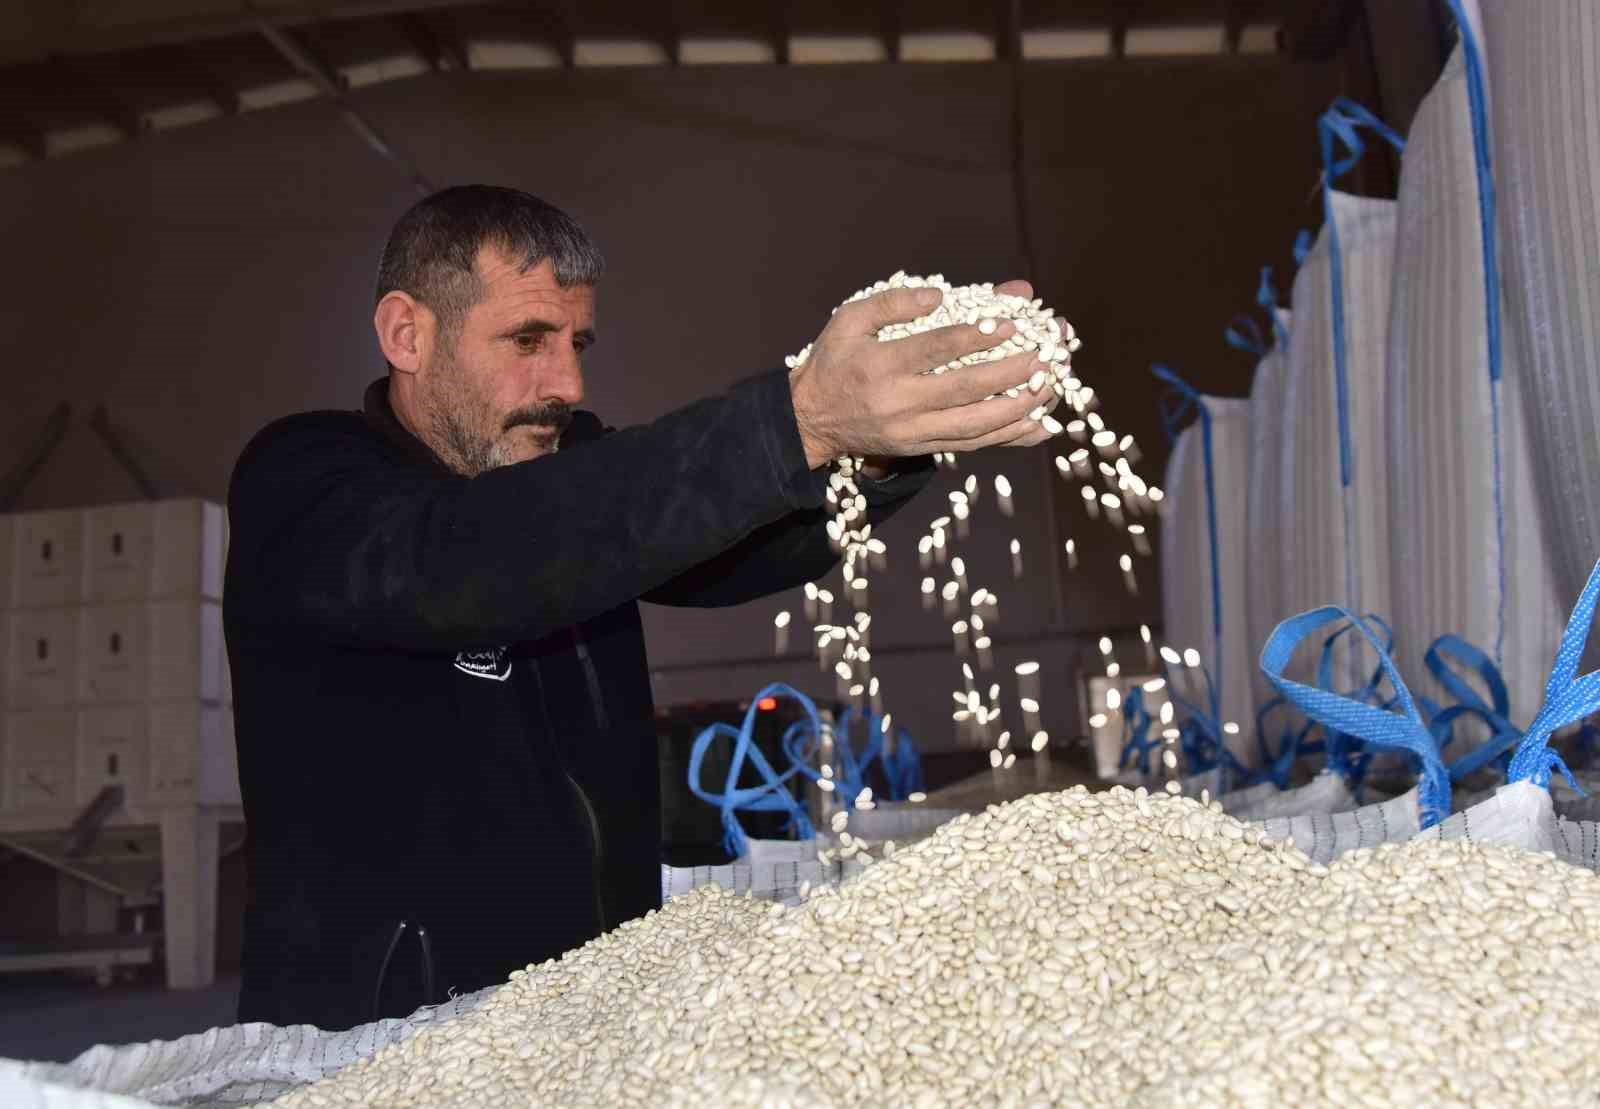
(1276, 767)
(1567, 697)
(1302, 246)
(772, 795)
(1495, 713)
(1243, 333)
(1267, 299)
(1175, 404)
(1345, 754)
(1200, 735)
(1339, 126)
(902, 764)
(1377, 727)
(1136, 723)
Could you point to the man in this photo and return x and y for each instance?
(445, 730)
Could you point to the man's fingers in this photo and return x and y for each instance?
(1017, 288)
(1018, 433)
(971, 384)
(869, 315)
(920, 353)
(982, 418)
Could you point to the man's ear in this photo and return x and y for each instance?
(405, 330)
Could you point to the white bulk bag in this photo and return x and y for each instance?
(1544, 88)
(243, 1064)
(1240, 800)
(1186, 583)
(1327, 793)
(1265, 600)
(1330, 552)
(1445, 511)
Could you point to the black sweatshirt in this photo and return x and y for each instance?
(442, 701)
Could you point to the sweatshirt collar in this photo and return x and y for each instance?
(380, 415)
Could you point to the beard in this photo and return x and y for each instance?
(470, 436)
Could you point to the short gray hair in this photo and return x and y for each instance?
(432, 252)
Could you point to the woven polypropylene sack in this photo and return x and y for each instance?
(243, 1064)
(1186, 599)
(1544, 88)
(1327, 793)
(902, 822)
(1235, 801)
(1444, 519)
(772, 870)
(1326, 836)
(20, 1089)
(1311, 544)
(1265, 600)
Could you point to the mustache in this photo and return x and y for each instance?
(555, 416)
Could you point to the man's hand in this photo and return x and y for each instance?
(856, 395)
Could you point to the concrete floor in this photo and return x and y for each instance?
(53, 1016)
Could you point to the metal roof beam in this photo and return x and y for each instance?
(778, 30)
(80, 86)
(24, 136)
(333, 84)
(437, 50)
(890, 27)
(1235, 14)
(298, 53)
(196, 72)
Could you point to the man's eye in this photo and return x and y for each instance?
(527, 342)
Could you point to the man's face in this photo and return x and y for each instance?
(503, 388)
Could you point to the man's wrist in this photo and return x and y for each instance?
(883, 467)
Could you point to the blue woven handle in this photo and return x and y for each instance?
(1136, 721)
(1302, 247)
(1267, 298)
(1201, 736)
(1376, 727)
(1344, 754)
(1441, 655)
(772, 795)
(1243, 333)
(1567, 697)
(1276, 767)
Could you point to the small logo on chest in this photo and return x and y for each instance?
(493, 663)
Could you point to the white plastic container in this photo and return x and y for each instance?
(43, 665)
(41, 756)
(154, 549)
(46, 559)
(113, 749)
(186, 651)
(192, 755)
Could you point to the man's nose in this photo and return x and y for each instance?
(563, 379)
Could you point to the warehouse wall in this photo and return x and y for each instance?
(203, 281)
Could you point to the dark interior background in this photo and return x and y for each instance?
(202, 281)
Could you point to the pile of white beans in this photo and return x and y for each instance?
(1066, 948)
